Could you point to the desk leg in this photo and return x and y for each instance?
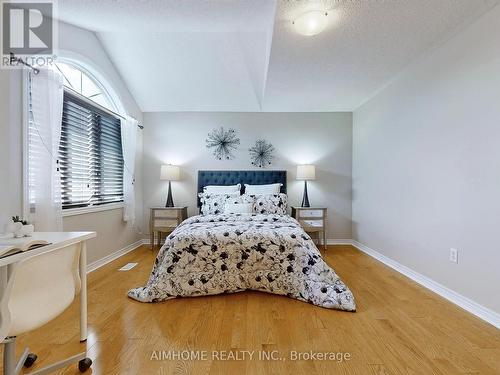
(83, 292)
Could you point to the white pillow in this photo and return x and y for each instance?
(238, 208)
(262, 189)
(222, 189)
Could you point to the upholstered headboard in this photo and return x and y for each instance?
(206, 178)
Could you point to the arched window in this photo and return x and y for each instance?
(84, 84)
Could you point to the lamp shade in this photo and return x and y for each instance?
(306, 172)
(170, 172)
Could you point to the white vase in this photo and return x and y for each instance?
(28, 230)
(19, 233)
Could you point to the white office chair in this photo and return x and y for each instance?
(37, 290)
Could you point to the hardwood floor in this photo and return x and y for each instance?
(399, 328)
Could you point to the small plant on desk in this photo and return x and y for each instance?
(20, 227)
(17, 219)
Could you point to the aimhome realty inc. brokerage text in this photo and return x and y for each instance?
(247, 355)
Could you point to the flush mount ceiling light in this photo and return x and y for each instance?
(311, 23)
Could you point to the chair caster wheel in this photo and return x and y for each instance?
(84, 364)
(30, 359)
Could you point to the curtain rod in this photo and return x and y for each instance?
(102, 108)
(17, 60)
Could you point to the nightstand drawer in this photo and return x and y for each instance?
(312, 223)
(310, 213)
(168, 223)
(167, 214)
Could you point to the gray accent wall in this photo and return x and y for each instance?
(426, 165)
(323, 139)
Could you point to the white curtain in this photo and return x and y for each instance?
(44, 181)
(129, 142)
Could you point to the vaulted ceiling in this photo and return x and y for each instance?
(244, 55)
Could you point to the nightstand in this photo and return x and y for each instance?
(312, 219)
(165, 220)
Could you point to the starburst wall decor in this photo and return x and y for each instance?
(223, 142)
(262, 153)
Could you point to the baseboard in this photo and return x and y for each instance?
(147, 241)
(339, 241)
(111, 257)
(474, 308)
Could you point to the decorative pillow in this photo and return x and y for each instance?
(238, 208)
(213, 204)
(262, 189)
(270, 203)
(222, 189)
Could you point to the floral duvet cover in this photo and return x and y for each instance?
(215, 254)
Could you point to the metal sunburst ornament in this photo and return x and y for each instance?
(223, 142)
(262, 153)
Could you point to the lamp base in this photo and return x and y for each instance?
(305, 198)
(170, 201)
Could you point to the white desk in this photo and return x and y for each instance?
(58, 240)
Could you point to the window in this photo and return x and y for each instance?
(90, 152)
(90, 155)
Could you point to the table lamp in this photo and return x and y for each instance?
(170, 173)
(306, 173)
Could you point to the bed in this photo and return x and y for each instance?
(219, 253)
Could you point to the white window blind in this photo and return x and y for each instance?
(90, 155)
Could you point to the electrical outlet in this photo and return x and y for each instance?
(454, 255)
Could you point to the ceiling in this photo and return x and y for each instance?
(241, 55)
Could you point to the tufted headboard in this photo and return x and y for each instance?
(206, 178)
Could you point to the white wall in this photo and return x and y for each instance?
(10, 145)
(323, 139)
(4, 151)
(113, 233)
(426, 165)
